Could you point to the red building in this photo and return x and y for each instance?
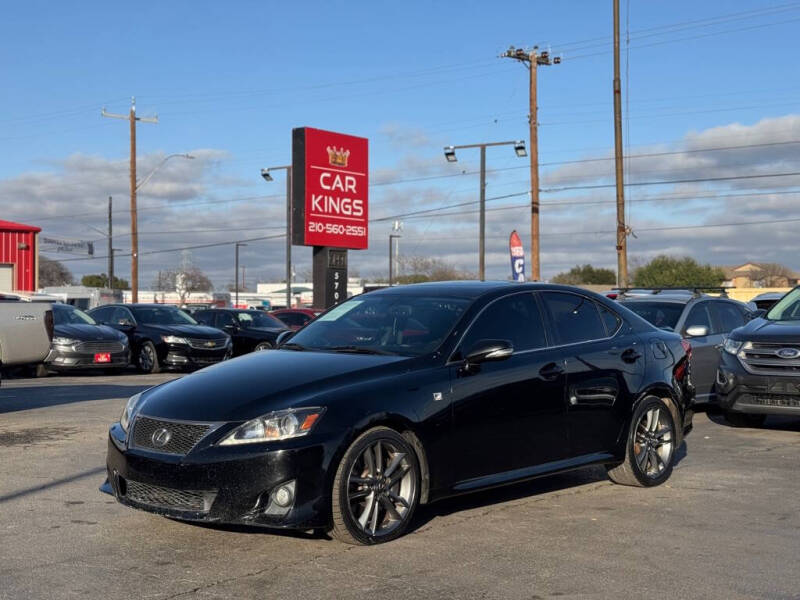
(19, 257)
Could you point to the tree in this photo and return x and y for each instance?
(184, 281)
(586, 274)
(53, 273)
(772, 275)
(101, 281)
(417, 269)
(668, 271)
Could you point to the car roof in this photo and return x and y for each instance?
(472, 289)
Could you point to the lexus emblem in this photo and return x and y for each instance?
(160, 437)
(788, 353)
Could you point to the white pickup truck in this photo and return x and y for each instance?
(26, 330)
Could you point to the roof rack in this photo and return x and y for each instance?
(695, 291)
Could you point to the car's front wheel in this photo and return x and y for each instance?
(263, 346)
(650, 449)
(148, 359)
(376, 488)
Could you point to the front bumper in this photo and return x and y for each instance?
(180, 355)
(63, 358)
(233, 485)
(743, 392)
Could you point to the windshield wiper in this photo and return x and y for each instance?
(360, 350)
(292, 346)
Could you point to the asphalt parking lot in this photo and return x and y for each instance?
(726, 525)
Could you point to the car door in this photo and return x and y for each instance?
(509, 415)
(705, 357)
(604, 366)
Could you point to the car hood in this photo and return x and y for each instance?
(87, 332)
(257, 383)
(194, 331)
(764, 330)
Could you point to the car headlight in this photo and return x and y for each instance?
(174, 339)
(279, 425)
(64, 341)
(127, 414)
(733, 346)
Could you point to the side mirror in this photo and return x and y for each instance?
(126, 323)
(283, 336)
(697, 331)
(231, 327)
(489, 351)
(757, 314)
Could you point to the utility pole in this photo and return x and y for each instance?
(132, 118)
(533, 59)
(622, 229)
(110, 249)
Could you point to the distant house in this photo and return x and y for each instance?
(758, 275)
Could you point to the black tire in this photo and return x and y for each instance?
(262, 346)
(377, 490)
(649, 450)
(744, 420)
(147, 358)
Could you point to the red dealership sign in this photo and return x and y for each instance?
(329, 189)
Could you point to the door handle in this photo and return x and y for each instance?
(630, 355)
(551, 371)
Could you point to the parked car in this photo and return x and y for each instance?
(767, 300)
(702, 319)
(403, 396)
(26, 329)
(249, 329)
(79, 342)
(163, 336)
(759, 373)
(295, 318)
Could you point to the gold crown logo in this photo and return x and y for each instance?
(338, 157)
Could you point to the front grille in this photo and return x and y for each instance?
(770, 400)
(762, 358)
(181, 439)
(168, 498)
(94, 347)
(207, 344)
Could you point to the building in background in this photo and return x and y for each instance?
(760, 275)
(19, 257)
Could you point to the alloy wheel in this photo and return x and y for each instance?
(653, 442)
(381, 488)
(146, 358)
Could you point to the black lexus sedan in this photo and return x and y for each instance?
(404, 396)
(80, 343)
(249, 329)
(163, 336)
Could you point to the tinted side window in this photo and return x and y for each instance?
(120, 314)
(610, 319)
(205, 317)
(698, 316)
(516, 318)
(729, 316)
(575, 318)
(224, 319)
(101, 315)
(292, 319)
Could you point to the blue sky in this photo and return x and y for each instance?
(230, 80)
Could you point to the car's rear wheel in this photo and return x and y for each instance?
(148, 359)
(263, 346)
(650, 449)
(376, 488)
(744, 420)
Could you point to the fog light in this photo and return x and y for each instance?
(284, 496)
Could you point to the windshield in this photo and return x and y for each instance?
(67, 315)
(663, 315)
(788, 308)
(258, 319)
(394, 324)
(161, 315)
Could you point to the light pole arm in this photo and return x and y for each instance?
(161, 164)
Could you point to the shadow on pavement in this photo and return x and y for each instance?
(13, 399)
(773, 422)
(51, 484)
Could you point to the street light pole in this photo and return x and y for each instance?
(265, 173)
(450, 155)
(236, 270)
